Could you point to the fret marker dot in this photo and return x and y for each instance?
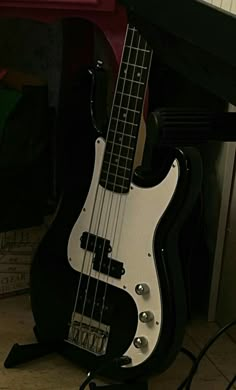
(125, 71)
(138, 74)
(125, 115)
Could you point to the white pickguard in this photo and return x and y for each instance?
(129, 221)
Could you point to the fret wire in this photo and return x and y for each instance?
(118, 155)
(132, 81)
(120, 133)
(114, 174)
(121, 145)
(135, 48)
(137, 66)
(124, 151)
(115, 165)
(127, 94)
(120, 120)
(127, 109)
(114, 184)
(134, 104)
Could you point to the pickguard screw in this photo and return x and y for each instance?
(70, 259)
(124, 287)
(131, 188)
(149, 255)
(173, 165)
(98, 141)
(84, 209)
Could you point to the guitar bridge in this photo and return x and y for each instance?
(89, 335)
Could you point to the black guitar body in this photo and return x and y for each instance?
(54, 282)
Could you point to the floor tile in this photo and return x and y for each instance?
(208, 376)
(222, 352)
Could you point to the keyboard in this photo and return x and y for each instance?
(207, 24)
(227, 6)
(196, 37)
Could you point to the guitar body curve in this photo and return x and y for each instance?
(58, 262)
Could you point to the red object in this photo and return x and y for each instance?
(98, 5)
(3, 73)
(106, 14)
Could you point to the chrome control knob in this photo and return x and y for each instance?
(142, 289)
(146, 316)
(140, 342)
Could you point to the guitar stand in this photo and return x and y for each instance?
(138, 384)
(180, 126)
(20, 354)
(121, 386)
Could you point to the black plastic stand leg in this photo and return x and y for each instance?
(122, 386)
(20, 354)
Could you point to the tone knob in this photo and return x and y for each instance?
(142, 289)
(146, 316)
(140, 342)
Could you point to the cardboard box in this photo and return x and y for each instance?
(16, 252)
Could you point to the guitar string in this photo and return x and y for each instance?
(119, 198)
(116, 205)
(91, 255)
(83, 262)
(108, 214)
(84, 258)
(86, 252)
(118, 215)
(136, 104)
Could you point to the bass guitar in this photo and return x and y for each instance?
(104, 286)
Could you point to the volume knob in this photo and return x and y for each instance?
(140, 342)
(142, 289)
(146, 316)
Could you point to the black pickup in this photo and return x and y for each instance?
(94, 243)
(101, 262)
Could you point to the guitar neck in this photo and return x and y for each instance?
(126, 113)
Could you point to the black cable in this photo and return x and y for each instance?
(121, 361)
(230, 385)
(183, 384)
(186, 384)
(189, 354)
(203, 352)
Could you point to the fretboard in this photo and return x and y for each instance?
(126, 113)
